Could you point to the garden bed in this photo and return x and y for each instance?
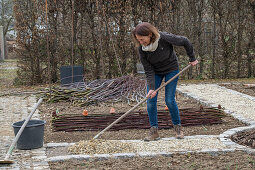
(186, 161)
(104, 108)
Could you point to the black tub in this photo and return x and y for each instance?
(32, 135)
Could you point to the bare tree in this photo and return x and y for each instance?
(96, 34)
(6, 17)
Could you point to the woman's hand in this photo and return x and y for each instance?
(151, 94)
(193, 62)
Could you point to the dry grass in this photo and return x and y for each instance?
(8, 72)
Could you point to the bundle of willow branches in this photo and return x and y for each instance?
(132, 89)
(135, 120)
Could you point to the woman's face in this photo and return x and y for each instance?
(143, 40)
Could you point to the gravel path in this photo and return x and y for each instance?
(171, 145)
(13, 109)
(211, 94)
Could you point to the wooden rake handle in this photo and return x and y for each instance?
(133, 108)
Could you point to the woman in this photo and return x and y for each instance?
(160, 61)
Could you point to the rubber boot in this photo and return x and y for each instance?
(153, 134)
(179, 131)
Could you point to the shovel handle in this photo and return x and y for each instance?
(125, 114)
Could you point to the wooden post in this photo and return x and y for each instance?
(2, 57)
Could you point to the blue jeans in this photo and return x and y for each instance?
(170, 90)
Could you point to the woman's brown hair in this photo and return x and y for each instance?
(144, 29)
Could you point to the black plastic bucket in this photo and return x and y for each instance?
(32, 135)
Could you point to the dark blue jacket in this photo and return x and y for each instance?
(164, 60)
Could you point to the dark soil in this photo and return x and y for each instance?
(198, 161)
(246, 88)
(246, 138)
